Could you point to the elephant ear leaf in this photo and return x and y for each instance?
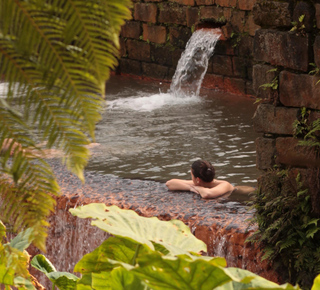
(63, 280)
(174, 235)
(41, 263)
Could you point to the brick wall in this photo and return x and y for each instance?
(153, 40)
(285, 52)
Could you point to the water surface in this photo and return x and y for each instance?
(147, 133)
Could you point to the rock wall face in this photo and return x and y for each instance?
(286, 52)
(152, 42)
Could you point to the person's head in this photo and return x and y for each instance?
(202, 170)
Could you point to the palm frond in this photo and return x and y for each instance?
(55, 56)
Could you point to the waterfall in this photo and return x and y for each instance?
(193, 62)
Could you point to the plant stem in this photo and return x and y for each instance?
(135, 255)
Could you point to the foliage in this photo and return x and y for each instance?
(63, 280)
(14, 260)
(298, 26)
(55, 57)
(273, 84)
(315, 71)
(288, 233)
(308, 132)
(146, 253)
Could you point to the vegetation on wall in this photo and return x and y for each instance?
(289, 232)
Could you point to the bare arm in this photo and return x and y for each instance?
(214, 192)
(179, 184)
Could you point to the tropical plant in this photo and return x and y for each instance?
(288, 231)
(146, 253)
(55, 57)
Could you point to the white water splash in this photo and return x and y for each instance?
(187, 80)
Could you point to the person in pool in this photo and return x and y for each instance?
(203, 182)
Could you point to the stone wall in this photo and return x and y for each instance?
(286, 53)
(152, 42)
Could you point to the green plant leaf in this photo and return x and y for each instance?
(22, 240)
(41, 263)
(63, 280)
(316, 283)
(113, 252)
(249, 280)
(173, 234)
(166, 272)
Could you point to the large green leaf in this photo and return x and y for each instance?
(167, 272)
(249, 280)
(41, 263)
(113, 249)
(174, 234)
(316, 283)
(63, 280)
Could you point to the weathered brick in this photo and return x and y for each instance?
(290, 153)
(129, 66)
(239, 65)
(176, 54)
(273, 14)
(131, 29)
(226, 3)
(249, 89)
(238, 21)
(123, 49)
(299, 90)
(316, 51)
(222, 65)
(250, 26)
(317, 6)
(145, 12)
(211, 12)
(192, 16)
(308, 10)
(155, 70)
(276, 120)
(225, 47)
(179, 36)
(226, 84)
(154, 33)
(173, 14)
(162, 55)
(235, 86)
(266, 150)
(263, 74)
(185, 2)
(246, 4)
(204, 2)
(138, 50)
(214, 82)
(246, 46)
(282, 48)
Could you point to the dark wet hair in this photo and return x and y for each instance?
(203, 169)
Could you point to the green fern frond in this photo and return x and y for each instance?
(55, 57)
